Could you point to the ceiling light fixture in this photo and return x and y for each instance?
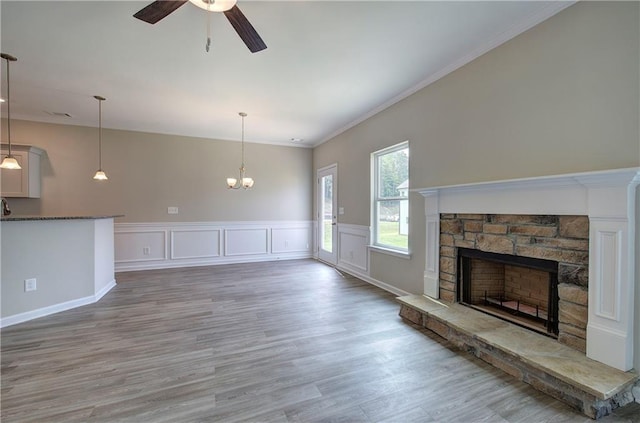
(214, 5)
(9, 162)
(243, 182)
(100, 175)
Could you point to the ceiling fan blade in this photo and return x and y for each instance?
(158, 10)
(245, 30)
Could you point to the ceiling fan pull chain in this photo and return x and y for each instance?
(208, 27)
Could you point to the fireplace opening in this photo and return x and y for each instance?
(518, 289)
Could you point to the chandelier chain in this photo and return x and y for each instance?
(243, 142)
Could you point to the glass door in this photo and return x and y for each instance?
(327, 214)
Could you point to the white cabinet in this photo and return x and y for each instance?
(26, 181)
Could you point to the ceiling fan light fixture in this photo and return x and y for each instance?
(215, 5)
(160, 9)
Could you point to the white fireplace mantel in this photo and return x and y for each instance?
(607, 197)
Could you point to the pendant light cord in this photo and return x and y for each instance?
(100, 134)
(100, 100)
(8, 109)
(208, 27)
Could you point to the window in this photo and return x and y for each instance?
(391, 198)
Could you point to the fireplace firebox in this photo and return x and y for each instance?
(518, 289)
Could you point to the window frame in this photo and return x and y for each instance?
(376, 198)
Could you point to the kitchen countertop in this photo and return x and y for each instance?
(17, 218)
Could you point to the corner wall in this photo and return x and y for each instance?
(562, 97)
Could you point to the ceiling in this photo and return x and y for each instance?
(328, 65)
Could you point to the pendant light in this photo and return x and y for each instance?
(9, 162)
(244, 181)
(100, 175)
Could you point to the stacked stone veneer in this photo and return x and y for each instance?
(564, 239)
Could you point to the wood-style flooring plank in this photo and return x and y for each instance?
(289, 341)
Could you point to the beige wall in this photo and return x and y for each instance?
(563, 97)
(150, 172)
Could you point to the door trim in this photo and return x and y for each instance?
(329, 258)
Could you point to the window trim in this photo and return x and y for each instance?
(375, 183)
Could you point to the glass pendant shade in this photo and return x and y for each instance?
(10, 162)
(214, 5)
(231, 182)
(247, 182)
(100, 176)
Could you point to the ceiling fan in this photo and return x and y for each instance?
(160, 9)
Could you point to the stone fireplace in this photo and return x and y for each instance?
(531, 269)
(586, 223)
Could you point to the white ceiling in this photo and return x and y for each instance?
(328, 65)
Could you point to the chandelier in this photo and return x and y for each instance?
(244, 181)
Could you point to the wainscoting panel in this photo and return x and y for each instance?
(195, 243)
(291, 240)
(353, 253)
(142, 246)
(242, 242)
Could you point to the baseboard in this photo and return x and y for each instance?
(45, 311)
(56, 308)
(383, 285)
(108, 287)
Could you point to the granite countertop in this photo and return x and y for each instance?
(16, 218)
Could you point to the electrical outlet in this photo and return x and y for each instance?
(146, 251)
(172, 210)
(30, 285)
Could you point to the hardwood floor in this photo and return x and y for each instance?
(291, 341)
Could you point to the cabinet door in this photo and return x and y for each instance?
(15, 182)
